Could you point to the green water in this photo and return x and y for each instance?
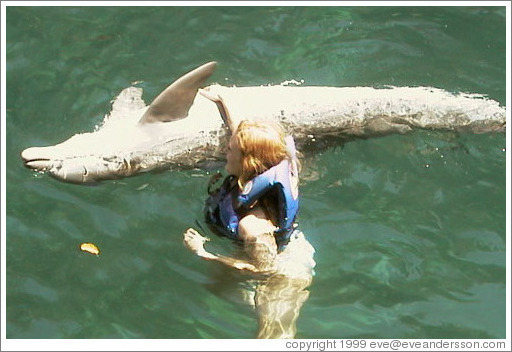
(409, 230)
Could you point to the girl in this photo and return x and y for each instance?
(257, 205)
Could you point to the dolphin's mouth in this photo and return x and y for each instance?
(38, 164)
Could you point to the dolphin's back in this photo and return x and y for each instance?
(363, 111)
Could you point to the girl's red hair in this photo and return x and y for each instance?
(262, 145)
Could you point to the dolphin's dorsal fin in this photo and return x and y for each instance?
(175, 101)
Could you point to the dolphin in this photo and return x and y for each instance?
(182, 128)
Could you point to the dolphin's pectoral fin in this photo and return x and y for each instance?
(380, 126)
(175, 101)
(377, 126)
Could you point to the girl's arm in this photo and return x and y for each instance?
(223, 109)
(195, 242)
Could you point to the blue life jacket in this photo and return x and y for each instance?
(225, 207)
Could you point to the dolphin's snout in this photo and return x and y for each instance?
(77, 169)
(43, 159)
(35, 158)
(26, 154)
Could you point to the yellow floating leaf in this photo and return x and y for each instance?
(90, 247)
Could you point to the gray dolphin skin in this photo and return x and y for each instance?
(183, 128)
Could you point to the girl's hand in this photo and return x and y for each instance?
(216, 98)
(195, 242)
